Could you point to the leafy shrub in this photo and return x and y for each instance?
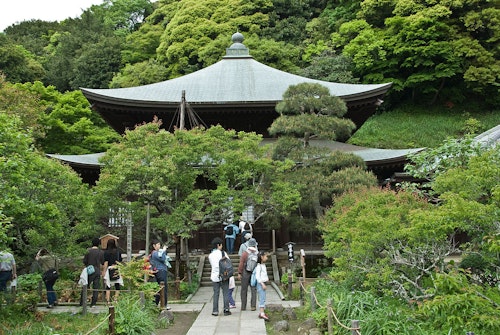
(377, 315)
(132, 318)
(461, 306)
(187, 288)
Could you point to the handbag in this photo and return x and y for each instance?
(114, 274)
(50, 275)
(90, 270)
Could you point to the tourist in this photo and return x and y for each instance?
(232, 286)
(8, 270)
(112, 256)
(94, 261)
(160, 264)
(244, 227)
(262, 279)
(217, 282)
(230, 232)
(244, 246)
(47, 262)
(247, 263)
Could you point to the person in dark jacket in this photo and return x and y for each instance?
(94, 257)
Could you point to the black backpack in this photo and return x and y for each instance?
(229, 230)
(247, 226)
(225, 267)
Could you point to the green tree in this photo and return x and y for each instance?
(308, 111)
(68, 125)
(370, 235)
(331, 67)
(193, 178)
(46, 200)
(430, 51)
(17, 63)
(33, 35)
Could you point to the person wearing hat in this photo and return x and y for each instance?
(244, 246)
(244, 275)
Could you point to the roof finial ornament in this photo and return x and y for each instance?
(237, 49)
(237, 37)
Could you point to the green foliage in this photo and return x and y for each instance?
(461, 306)
(452, 153)
(17, 320)
(17, 63)
(132, 318)
(187, 288)
(68, 125)
(424, 49)
(331, 67)
(45, 199)
(370, 235)
(309, 110)
(156, 166)
(377, 315)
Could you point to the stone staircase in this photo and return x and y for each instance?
(235, 259)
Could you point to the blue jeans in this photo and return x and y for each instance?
(230, 296)
(230, 245)
(51, 294)
(161, 276)
(225, 295)
(262, 295)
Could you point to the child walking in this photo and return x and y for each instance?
(262, 278)
(232, 285)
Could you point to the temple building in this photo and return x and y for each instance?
(238, 93)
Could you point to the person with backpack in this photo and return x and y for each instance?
(244, 227)
(244, 246)
(248, 262)
(219, 276)
(230, 231)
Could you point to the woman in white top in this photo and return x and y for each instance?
(262, 278)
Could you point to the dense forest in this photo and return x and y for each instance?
(432, 51)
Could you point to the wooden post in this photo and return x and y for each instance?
(301, 282)
(178, 288)
(111, 320)
(40, 290)
(142, 298)
(290, 278)
(355, 327)
(162, 294)
(313, 299)
(303, 263)
(84, 299)
(330, 317)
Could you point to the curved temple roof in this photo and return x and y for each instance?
(237, 83)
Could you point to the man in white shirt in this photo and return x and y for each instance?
(214, 258)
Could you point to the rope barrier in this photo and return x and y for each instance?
(98, 326)
(357, 330)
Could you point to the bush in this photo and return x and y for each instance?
(132, 318)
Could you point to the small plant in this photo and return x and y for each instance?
(132, 318)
